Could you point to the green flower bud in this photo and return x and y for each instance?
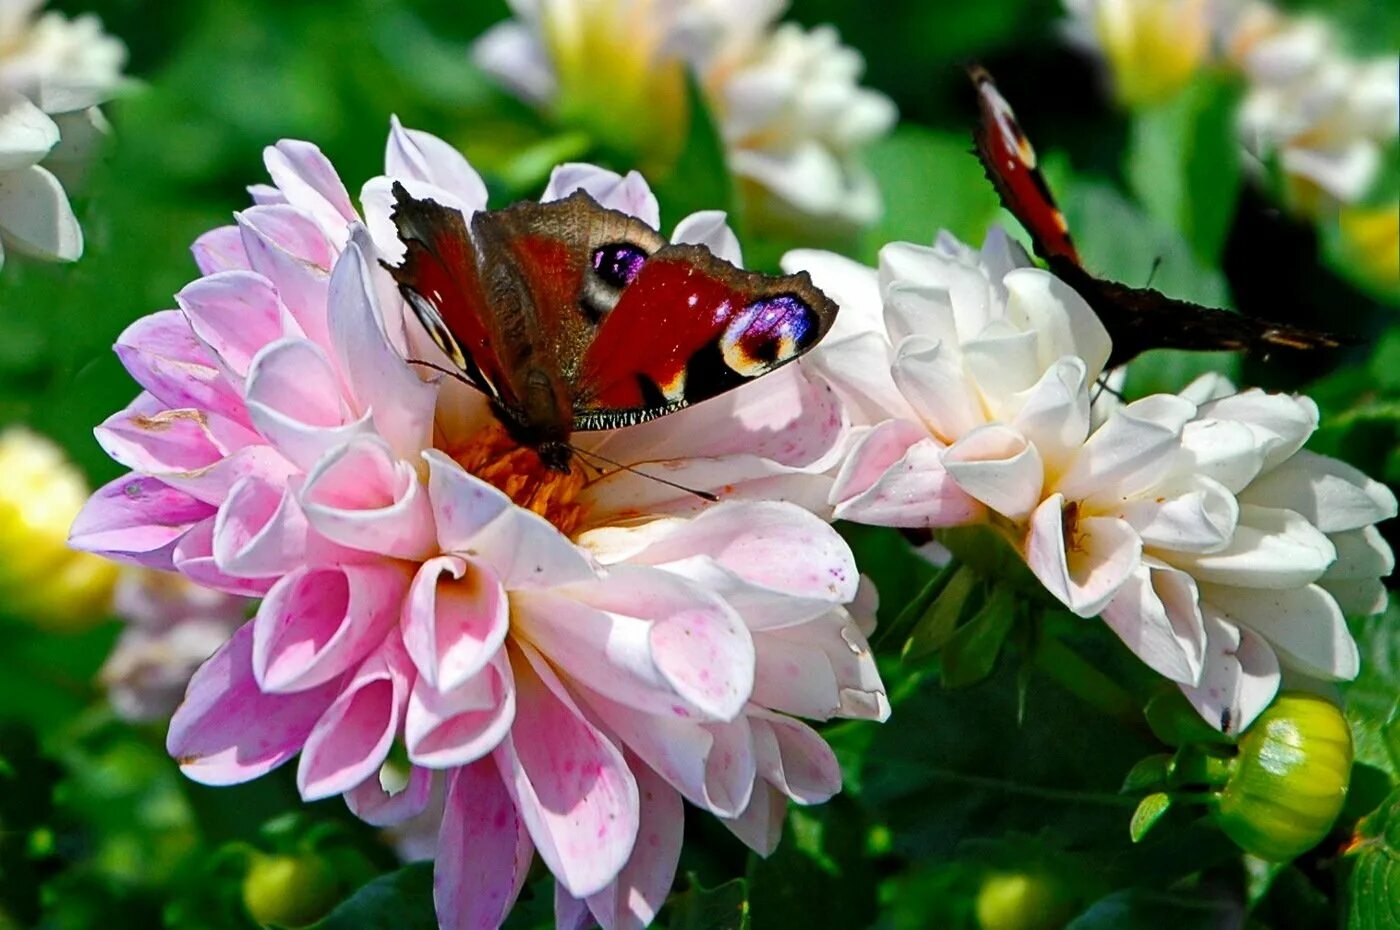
(289, 891)
(1023, 901)
(1289, 780)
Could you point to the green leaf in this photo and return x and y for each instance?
(1184, 165)
(1149, 811)
(820, 874)
(723, 908)
(401, 900)
(1372, 700)
(1374, 888)
(700, 179)
(939, 621)
(973, 648)
(1136, 909)
(930, 181)
(1148, 773)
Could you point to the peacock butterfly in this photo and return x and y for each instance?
(570, 316)
(1137, 318)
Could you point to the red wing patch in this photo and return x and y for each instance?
(1010, 163)
(690, 327)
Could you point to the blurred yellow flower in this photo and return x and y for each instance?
(1153, 47)
(1370, 242)
(41, 579)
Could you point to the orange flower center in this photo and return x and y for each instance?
(502, 462)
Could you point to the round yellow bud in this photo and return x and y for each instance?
(289, 891)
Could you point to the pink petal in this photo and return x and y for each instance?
(452, 627)
(212, 482)
(632, 901)
(894, 476)
(1240, 677)
(858, 368)
(352, 738)
(457, 727)
(645, 638)
(711, 229)
(136, 519)
(360, 496)
(294, 399)
(411, 153)
(629, 194)
(317, 622)
(228, 730)
(760, 826)
(712, 765)
(235, 314)
(622, 496)
(793, 758)
(157, 442)
(819, 670)
(484, 851)
(194, 558)
(1105, 554)
(571, 785)
(521, 547)
(999, 467)
(260, 530)
(288, 249)
(220, 249)
(161, 352)
(309, 182)
(381, 381)
(371, 803)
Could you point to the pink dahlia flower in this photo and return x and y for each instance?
(568, 656)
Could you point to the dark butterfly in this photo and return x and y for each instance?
(569, 316)
(1137, 318)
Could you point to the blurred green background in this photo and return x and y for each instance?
(1010, 777)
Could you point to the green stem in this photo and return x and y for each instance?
(1079, 677)
(896, 630)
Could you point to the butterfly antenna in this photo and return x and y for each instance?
(1156, 263)
(703, 495)
(447, 371)
(1102, 385)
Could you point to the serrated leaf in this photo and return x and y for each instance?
(725, 907)
(401, 900)
(1149, 810)
(972, 650)
(1374, 888)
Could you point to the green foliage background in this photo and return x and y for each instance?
(1018, 773)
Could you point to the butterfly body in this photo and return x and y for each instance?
(1137, 318)
(569, 316)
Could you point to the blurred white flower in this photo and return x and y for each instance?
(786, 99)
(53, 73)
(1325, 116)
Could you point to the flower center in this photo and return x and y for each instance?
(502, 462)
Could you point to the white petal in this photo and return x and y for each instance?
(35, 217)
(999, 467)
(1304, 625)
(1240, 677)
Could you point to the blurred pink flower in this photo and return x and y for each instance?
(571, 655)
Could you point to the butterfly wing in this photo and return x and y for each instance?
(1011, 165)
(690, 326)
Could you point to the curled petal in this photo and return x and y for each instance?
(194, 558)
(484, 851)
(308, 181)
(161, 353)
(1270, 549)
(793, 758)
(422, 156)
(456, 727)
(260, 530)
(1102, 554)
(159, 441)
(999, 467)
(137, 519)
(819, 670)
(628, 194)
(235, 314)
(360, 496)
(894, 476)
(220, 249)
(291, 251)
(1281, 423)
(376, 806)
(352, 738)
(645, 638)
(1132, 450)
(1157, 615)
(1064, 324)
(710, 228)
(455, 620)
(1239, 679)
(760, 826)
(571, 785)
(1200, 518)
(228, 730)
(1054, 414)
(294, 399)
(212, 483)
(316, 623)
(930, 376)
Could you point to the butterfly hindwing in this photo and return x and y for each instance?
(689, 327)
